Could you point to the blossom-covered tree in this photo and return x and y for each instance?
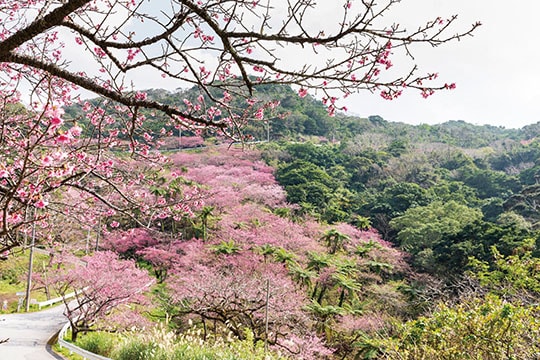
(47, 166)
(101, 283)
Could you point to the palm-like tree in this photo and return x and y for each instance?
(348, 287)
(227, 247)
(302, 276)
(363, 249)
(265, 250)
(334, 240)
(205, 215)
(379, 266)
(316, 263)
(362, 222)
(345, 279)
(283, 256)
(323, 314)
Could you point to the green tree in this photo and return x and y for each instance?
(422, 228)
(477, 329)
(334, 240)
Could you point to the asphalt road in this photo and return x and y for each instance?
(29, 333)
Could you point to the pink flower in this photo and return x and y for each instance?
(56, 121)
(99, 52)
(450, 86)
(331, 111)
(140, 95)
(259, 115)
(302, 92)
(47, 161)
(63, 138)
(55, 113)
(427, 93)
(15, 218)
(115, 224)
(40, 204)
(75, 131)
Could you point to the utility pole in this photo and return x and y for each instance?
(266, 317)
(31, 262)
(98, 232)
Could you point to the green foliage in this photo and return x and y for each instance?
(12, 271)
(313, 188)
(479, 329)
(226, 248)
(137, 349)
(334, 240)
(423, 228)
(526, 203)
(514, 275)
(66, 353)
(490, 183)
(395, 199)
(97, 342)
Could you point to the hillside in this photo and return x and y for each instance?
(301, 117)
(314, 270)
(340, 238)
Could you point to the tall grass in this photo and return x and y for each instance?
(161, 344)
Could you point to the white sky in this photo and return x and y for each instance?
(497, 71)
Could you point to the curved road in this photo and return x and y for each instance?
(29, 333)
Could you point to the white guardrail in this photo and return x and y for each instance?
(54, 301)
(87, 355)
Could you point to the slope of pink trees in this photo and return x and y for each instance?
(289, 281)
(325, 291)
(242, 262)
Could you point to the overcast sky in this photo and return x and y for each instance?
(497, 71)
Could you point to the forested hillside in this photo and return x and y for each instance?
(373, 239)
(298, 118)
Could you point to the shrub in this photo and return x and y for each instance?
(97, 342)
